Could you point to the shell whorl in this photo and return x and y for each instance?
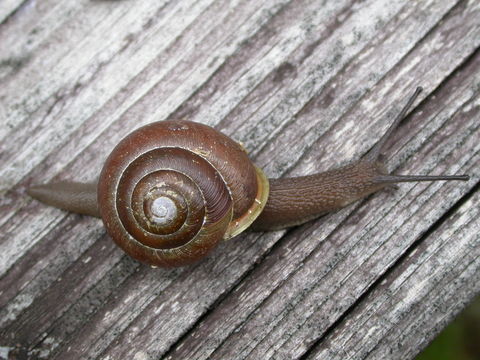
(170, 191)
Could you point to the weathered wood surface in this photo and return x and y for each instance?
(304, 85)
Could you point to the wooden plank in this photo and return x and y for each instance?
(432, 283)
(9, 7)
(315, 79)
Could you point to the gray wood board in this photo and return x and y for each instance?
(305, 86)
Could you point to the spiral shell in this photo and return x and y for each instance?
(170, 191)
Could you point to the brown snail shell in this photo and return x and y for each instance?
(170, 191)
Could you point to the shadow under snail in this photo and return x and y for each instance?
(171, 191)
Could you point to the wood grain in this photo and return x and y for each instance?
(305, 86)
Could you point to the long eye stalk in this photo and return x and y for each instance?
(374, 154)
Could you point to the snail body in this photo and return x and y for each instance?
(171, 191)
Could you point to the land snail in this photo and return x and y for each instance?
(171, 191)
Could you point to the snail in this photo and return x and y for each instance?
(172, 190)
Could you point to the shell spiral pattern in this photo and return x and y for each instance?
(170, 191)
